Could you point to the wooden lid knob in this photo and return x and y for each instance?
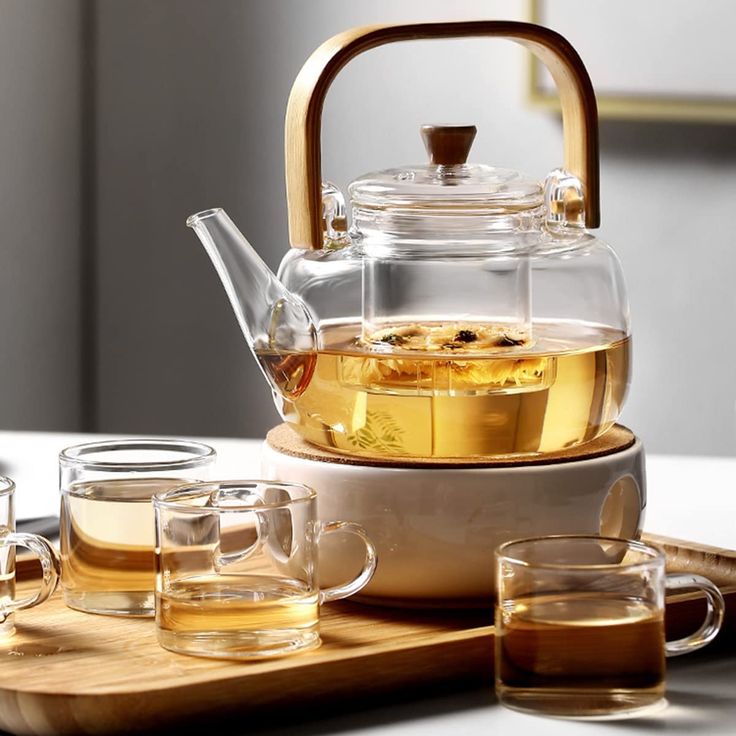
(448, 145)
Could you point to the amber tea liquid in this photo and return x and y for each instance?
(107, 545)
(238, 613)
(580, 655)
(565, 387)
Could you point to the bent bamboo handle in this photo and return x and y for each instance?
(304, 110)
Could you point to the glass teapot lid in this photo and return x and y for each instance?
(446, 186)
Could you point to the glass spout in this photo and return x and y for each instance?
(276, 323)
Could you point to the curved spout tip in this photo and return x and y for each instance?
(269, 315)
(195, 219)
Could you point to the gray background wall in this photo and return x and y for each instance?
(189, 99)
(40, 214)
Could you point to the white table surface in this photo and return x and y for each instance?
(688, 497)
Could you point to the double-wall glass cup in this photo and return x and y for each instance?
(9, 540)
(580, 625)
(106, 528)
(237, 568)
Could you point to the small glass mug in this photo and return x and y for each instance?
(106, 527)
(9, 539)
(237, 568)
(580, 625)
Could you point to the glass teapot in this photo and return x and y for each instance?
(467, 312)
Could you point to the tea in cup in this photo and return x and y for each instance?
(237, 568)
(580, 625)
(106, 527)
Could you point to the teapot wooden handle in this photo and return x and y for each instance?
(304, 111)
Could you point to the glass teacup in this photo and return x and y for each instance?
(42, 548)
(237, 568)
(106, 525)
(580, 625)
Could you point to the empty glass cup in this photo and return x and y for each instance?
(237, 568)
(9, 539)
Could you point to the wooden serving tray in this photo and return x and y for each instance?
(68, 672)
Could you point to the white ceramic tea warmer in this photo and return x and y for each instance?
(451, 367)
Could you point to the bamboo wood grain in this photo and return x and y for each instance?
(70, 672)
(715, 563)
(304, 109)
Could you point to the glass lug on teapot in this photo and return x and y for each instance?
(468, 311)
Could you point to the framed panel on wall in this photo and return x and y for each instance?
(654, 60)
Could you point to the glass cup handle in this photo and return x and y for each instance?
(369, 567)
(50, 566)
(716, 607)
